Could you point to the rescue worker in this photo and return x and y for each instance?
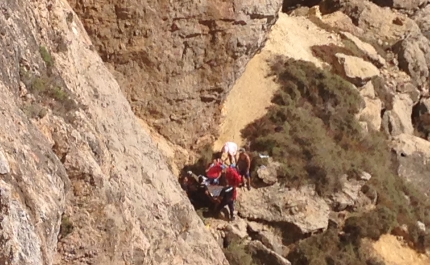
(229, 193)
(243, 166)
(229, 151)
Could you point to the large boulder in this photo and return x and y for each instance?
(379, 23)
(398, 120)
(413, 156)
(368, 50)
(342, 22)
(351, 195)
(371, 114)
(301, 208)
(422, 18)
(177, 60)
(268, 174)
(265, 255)
(266, 236)
(355, 69)
(414, 58)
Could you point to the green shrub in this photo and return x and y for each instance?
(58, 94)
(372, 224)
(311, 127)
(66, 226)
(312, 131)
(46, 56)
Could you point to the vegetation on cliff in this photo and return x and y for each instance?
(312, 131)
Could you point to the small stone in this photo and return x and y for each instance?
(365, 176)
(421, 226)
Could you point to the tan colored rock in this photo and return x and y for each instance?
(350, 195)
(422, 18)
(266, 255)
(411, 90)
(398, 120)
(414, 58)
(301, 208)
(354, 69)
(371, 114)
(341, 21)
(94, 164)
(377, 22)
(366, 48)
(268, 174)
(406, 145)
(177, 60)
(266, 236)
(413, 156)
(367, 91)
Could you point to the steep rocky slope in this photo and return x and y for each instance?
(78, 175)
(176, 60)
(383, 52)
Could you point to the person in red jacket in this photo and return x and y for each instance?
(229, 193)
(214, 170)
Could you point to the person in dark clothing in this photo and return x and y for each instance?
(226, 197)
(202, 197)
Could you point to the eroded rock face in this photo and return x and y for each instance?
(33, 183)
(176, 65)
(96, 165)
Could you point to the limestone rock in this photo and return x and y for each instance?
(237, 230)
(94, 165)
(268, 174)
(413, 155)
(421, 226)
(377, 23)
(302, 208)
(422, 18)
(177, 60)
(355, 69)
(367, 90)
(4, 164)
(398, 120)
(366, 48)
(371, 114)
(265, 255)
(265, 235)
(414, 58)
(349, 196)
(343, 22)
(411, 90)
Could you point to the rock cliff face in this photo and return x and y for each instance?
(80, 180)
(176, 60)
